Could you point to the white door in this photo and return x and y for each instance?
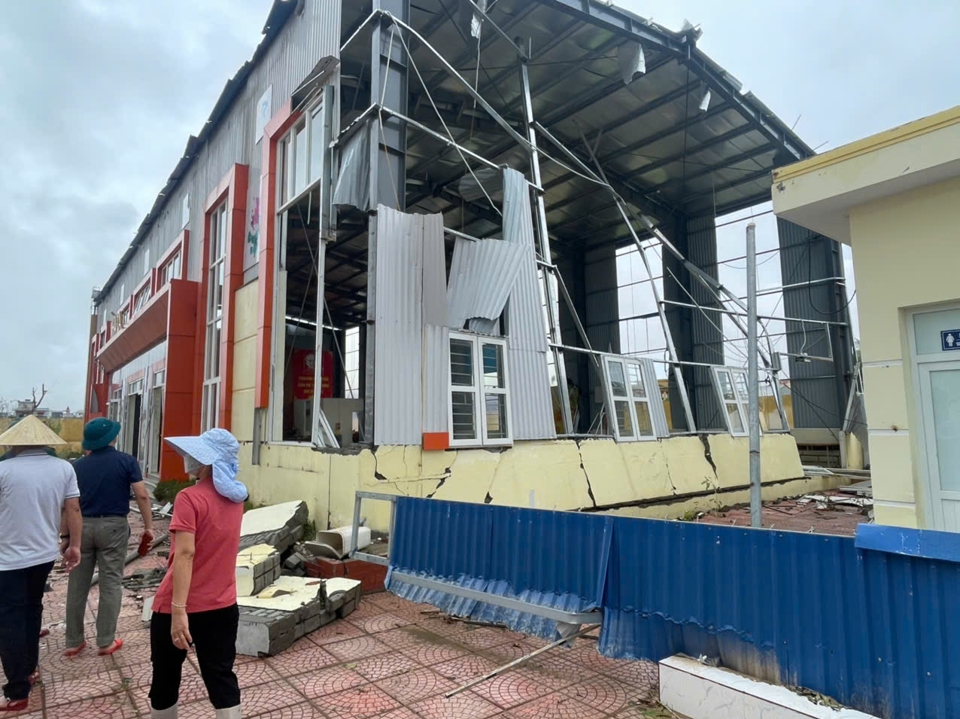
(940, 400)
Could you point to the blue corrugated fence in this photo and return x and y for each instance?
(875, 626)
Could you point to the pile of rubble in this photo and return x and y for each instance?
(278, 603)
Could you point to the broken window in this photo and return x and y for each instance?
(479, 395)
(731, 386)
(636, 398)
(216, 267)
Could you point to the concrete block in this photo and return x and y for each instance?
(257, 568)
(335, 543)
(702, 692)
(276, 525)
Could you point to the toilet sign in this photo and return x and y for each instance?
(950, 340)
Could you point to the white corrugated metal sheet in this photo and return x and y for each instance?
(398, 394)
(436, 378)
(531, 401)
(434, 271)
(482, 276)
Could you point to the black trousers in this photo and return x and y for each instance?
(21, 614)
(215, 640)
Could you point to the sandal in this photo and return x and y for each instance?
(14, 705)
(44, 633)
(74, 651)
(108, 650)
(34, 678)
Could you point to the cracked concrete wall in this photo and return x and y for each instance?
(672, 475)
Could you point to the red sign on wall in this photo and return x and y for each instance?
(304, 374)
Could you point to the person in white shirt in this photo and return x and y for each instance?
(36, 491)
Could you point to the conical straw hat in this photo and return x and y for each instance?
(30, 432)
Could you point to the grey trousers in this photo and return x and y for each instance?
(104, 547)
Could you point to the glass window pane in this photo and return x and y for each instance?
(493, 367)
(316, 143)
(618, 383)
(624, 420)
(945, 395)
(740, 380)
(636, 381)
(300, 181)
(284, 170)
(644, 423)
(496, 416)
(736, 422)
(464, 415)
(726, 387)
(461, 363)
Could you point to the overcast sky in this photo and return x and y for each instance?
(99, 97)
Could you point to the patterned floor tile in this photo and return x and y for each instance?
(607, 695)
(483, 638)
(378, 622)
(431, 654)
(332, 633)
(415, 685)
(463, 669)
(511, 689)
(301, 657)
(254, 674)
(359, 702)
(269, 697)
(385, 665)
(463, 706)
(58, 691)
(555, 706)
(356, 649)
(299, 711)
(406, 637)
(116, 706)
(331, 680)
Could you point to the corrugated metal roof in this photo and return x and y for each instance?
(482, 276)
(399, 328)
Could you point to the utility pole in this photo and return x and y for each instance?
(753, 379)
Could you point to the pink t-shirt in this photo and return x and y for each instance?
(215, 523)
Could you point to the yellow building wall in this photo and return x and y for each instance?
(906, 252)
(671, 476)
(244, 361)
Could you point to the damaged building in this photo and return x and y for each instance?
(390, 261)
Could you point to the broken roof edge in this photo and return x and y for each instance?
(280, 13)
(683, 45)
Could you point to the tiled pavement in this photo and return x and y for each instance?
(391, 659)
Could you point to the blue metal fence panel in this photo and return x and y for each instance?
(873, 623)
(504, 551)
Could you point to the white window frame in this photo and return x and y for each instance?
(311, 125)
(629, 397)
(480, 392)
(216, 276)
(726, 403)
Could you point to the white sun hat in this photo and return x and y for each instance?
(215, 448)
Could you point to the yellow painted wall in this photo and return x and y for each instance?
(244, 361)
(905, 250)
(545, 475)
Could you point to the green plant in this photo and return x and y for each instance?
(309, 530)
(167, 491)
(713, 486)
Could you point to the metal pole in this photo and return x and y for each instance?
(753, 378)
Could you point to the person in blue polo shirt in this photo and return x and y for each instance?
(105, 477)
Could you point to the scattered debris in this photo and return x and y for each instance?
(257, 568)
(144, 579)
(335, 543)
(280, 525)
(290, 609)
(864, 489)
(817, 698)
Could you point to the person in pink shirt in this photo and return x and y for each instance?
(196, 604)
